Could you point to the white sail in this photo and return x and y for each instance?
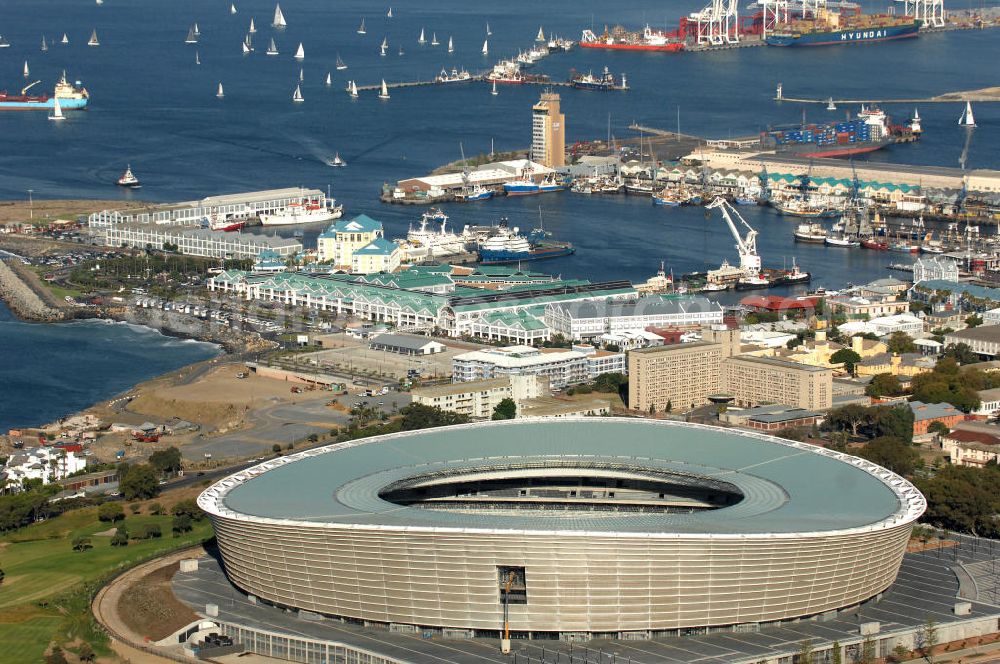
(540, 37)
(354, 89)
(300, 54)
(220, 94)
(341, 65)
(302, 75)
(385, 45)
(967, 119)
(489, 33)
(389, 13)
(246, 47)
(361, 28)
(434, 39)
(197, 32)
(279, 18)
(99, 2)
(384, 92)
(93, 39)
(297, 95)
(329, 79)
(486, 47)
(197, 58)
(232, 9)
(45, 46)
(422, 39)
(272, 48)
(27, 72)
(494, 91)
(451, 45)
(191, 38)
(252, 28)
(57, 113)
(65, 39)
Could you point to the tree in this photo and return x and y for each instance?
(149, 531)
(181, 524)
(276, 448)
(188, 507)
(3, 575)
(836, 654)
(82, 544)
(900, 653)
(505, 410)
(847, 357)
(928, 638)
(868, 651)
(852, 416)
(884, 385)
(891, 453)
(793, 343)
(938, 427)
(156, 509)
(418, 416)
(669, 407)
(120, 538)
(56, 656)
(110, 512)
(901, 342)
(86, 652)
(610, 382)
(805, 655)
(973, 321)
(893, 421)
(963, 499)
(140, 483)
(960, 352)
(166, 461)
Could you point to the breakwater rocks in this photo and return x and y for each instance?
(188, 327)
(21, 298)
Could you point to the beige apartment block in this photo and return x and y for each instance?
(753, 381)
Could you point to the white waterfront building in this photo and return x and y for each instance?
(47, 464)
(198, 241)
(938, 267)
(587, 320)
(562, 366)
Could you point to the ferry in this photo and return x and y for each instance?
(70, 98)
(307, 212)
(620, 39)
(509, 246)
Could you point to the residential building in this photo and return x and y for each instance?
(983, 340)
(603, 361)
(562, 367)
(991, 317)
(934, 268)
(766, 338)
(588, 320)
(886, 325)
(379, 255)
(856, 306)
(753, 381)
(989, 403)
(925, 414)
(897, 364)
(47, 464)
(407, 344)
(337, 244)
(772, 417)
(478, 398)
(966, 447)
(548, 132)
(197, 241)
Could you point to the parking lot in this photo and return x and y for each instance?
(353, 357)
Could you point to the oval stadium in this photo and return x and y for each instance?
(600, 526)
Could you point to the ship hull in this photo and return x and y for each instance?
(849, 36)
(662, 48)
(44, 105)
(521, 190)
(487, 257)
(805, 150)
(810, 239)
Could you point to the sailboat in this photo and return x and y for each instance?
(434, 39)
(354, 90)
(341, 66)
(389, 13)
(451, 45)
(279, 18)
(329, 79)
(830, 106)
(361, 28)
(246, 47)
(297, 95)
(45, 46)
(197, 32)
(489, 33)
(300, 54)
(384, 92)
(57, 113)
(401, 50)
(337, 161)
(252, 28)
(302, 75)
(27, 72)
(385, 45)
(494, 91)
(99, 2)
(192, 38)
(486, 47)
(272, 48)
(232, 9)
(967, 119)
(220, 94)
(65, 39)
(422, 39)
(197, 58)
(93, 39)
(540, 37)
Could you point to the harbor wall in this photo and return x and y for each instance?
(21, 298)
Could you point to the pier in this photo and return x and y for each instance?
(480, 78)
(981, 95)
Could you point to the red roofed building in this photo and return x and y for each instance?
(776, 303)
(966, 447)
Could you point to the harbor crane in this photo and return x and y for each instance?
(718, 23)
(25, 89)
(746, 246)
(929, 12)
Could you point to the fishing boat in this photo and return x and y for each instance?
(297, 95)
(474, 193)
(279, 18)
(384, 48)
(361, 28)
(64, 40)
(57, 113)
(219, 93)
(812, 233)
(383, 93)
(875, 245)
(454, 76)
(93, 39)
(45, 46)
(523, 186)
(128, 179)
(253, 29)
(216, 223)
(191, 38)
(434, 39)
(308, 212)
(232, 9)
(272, 48)
(798, 208)
(486, 47)
(329, 79)
(509, 246)
(842, 241)
(667, 198)
(967, 119)
(300, 53)
(421, 39)
(337, 161)
(425, 243)
(27, 72)
(451, 45)
(340, 64)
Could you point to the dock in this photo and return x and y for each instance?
(475, 79)
(982, 95)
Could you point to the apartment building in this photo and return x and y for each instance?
(753, 381)
(588, 320)
(561, 367)
(478, 398)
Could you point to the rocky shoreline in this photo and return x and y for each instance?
(23, 300)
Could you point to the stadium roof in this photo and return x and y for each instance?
(788, 488)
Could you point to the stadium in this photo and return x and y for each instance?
(622, 528)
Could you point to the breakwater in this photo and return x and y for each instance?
(21, 298)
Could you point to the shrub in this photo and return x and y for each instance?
(110, 512)
(181, 524)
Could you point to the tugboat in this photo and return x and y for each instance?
(337, 161)
(128, 179)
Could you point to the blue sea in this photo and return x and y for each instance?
(154, 108)
(49, 371)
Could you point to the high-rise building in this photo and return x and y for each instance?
(548, 132)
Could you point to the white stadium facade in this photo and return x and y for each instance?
(593, 526)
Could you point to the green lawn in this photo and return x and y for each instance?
(43, 573)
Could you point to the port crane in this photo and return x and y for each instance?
(25, 89)
(746, 246)
(718, 23)
(930, 12)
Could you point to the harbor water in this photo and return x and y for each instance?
(50, 371)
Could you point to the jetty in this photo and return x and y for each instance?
(991, 94)
(478, 78)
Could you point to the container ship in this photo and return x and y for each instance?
(70, 98)
(829, 28)
(871, 130)
(622, 40)
(509, 246)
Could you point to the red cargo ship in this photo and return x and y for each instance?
(622, 40)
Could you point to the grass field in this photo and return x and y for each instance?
(49, 581)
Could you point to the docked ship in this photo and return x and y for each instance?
(306, 212)
(829, 27)
(526, 186)
(216, 222)
(606, 81)
(426, 243)
(812, 233)
(454, 76)
(506, 71)
(796, 207)
(474, 193)
(70, 98)
(871, 130)
(621, 39)
(509, 246)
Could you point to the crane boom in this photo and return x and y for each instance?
(25, 89)
(746, 246)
